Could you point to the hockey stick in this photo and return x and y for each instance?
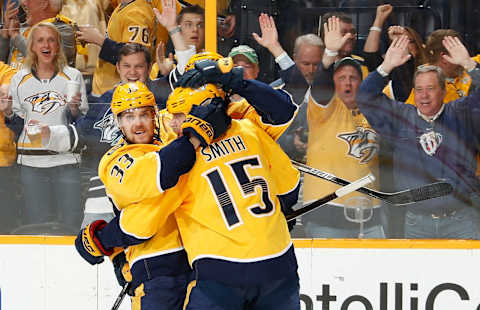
(347, 189)
(120, 297)
(409, 196)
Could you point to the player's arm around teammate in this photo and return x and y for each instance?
(274, 108)
(128, 168)
(137, 173)
(229, 217)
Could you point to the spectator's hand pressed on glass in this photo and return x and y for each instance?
(269, 31)
(397, 54)
(457, 53)
(334, 40)
(269, 38)
(91, 35)
(168, 17)
(165, 64)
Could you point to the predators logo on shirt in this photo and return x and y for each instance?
(110, 132)
(46, 102)
(362, 143)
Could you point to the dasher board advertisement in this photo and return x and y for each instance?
(334, 274)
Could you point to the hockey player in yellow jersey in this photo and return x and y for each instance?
(132, 21)
(260, 258)
(229, 206)
(136, 173)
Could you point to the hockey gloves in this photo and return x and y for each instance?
(217, 72)
(88, 245)
(121, 267)
(207, 122)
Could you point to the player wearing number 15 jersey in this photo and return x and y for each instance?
(229, 212)
(137, 179)
(132, 21)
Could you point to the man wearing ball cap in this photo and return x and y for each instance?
(341, 141)
(246, 57)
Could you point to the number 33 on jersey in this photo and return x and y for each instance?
(230, 194)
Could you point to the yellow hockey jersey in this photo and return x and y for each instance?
(130, 23)
(340, 142)
(227, 207)
(137, 196)
(229, 195)
(137, 218)
(137, 213)
(242, 109)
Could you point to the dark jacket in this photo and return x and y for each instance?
(453, 161)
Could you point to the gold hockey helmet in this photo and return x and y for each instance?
(130, 96)
(201, 56)
(182, 99)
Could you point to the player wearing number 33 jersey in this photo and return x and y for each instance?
(232, 203)
(228, 208)
(131, 22)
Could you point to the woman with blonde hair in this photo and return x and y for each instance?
(46, 92)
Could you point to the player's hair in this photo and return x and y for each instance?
(56, 5)
(431, 68)
(194, 9)
(310, 39)
(133, 48)
(31, 60)
(434, 46)
(344, 17)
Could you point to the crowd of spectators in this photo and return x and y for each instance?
(51, 141)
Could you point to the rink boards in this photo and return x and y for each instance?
(46, 273)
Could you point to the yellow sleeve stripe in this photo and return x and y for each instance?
(64, 75)
(25, 78)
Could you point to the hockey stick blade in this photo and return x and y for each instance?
(342, 191)
(409, 196)
(121, 295)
